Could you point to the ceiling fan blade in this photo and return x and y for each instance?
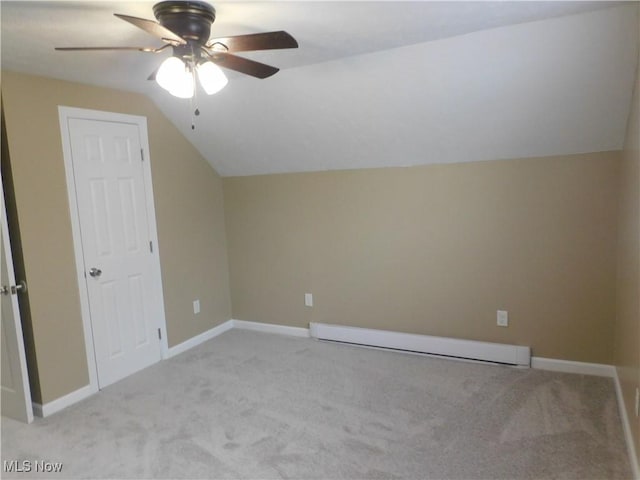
(154, 28)
(255, 41)
(242, 65)
(139, 49)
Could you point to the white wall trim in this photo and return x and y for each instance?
(64, 401)
(451, 347)
(201, 338)
(626, 426)
(569, 366)
(271, 328)
(64, 113)
(601, 370)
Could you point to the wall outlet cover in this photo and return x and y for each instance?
(502, 318)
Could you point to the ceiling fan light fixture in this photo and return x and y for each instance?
(174, 76)
(186, 27)
(211, 77)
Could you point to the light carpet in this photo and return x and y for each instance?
(255, 405)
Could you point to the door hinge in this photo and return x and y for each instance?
(142, 154)
(159, 334)
(151, 247)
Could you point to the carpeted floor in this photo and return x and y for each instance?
(253, 405)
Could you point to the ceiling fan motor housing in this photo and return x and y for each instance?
(190, 20)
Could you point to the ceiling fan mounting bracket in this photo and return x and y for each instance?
(190, 20)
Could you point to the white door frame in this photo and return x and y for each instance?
(65, 114)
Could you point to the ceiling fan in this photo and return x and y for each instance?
(185, 26)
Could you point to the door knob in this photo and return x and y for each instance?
(95, 272)
(21, 287)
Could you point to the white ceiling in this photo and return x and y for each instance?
(373, 84)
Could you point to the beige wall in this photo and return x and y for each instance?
(189, 211)
(435, 250)
(627, 327)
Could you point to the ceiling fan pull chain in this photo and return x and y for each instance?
(193, 116)
(194, 100)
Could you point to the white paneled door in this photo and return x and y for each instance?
(16, 395)
(122, 281)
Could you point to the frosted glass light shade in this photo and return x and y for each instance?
(174, 77)
(211, 77)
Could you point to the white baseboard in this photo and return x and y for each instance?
(568, 366)
(198, 339)
(271, 328)
(450, 347)
(600, 370)
(84, 392)
(626, 426)
(63, 402)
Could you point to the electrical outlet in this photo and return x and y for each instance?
(502, 318)
(637, 401)
(196, 307)
(308, 300)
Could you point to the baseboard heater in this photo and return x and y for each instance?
(442, 346)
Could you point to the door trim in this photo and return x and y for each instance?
(65, 114)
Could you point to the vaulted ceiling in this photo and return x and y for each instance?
(373, 84)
